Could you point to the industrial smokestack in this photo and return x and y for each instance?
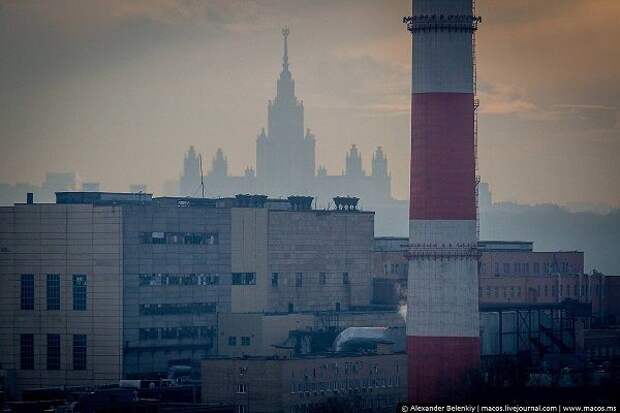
(443, 342)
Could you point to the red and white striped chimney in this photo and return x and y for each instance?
(443, 341)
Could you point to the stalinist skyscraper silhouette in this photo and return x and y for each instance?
(285, 162)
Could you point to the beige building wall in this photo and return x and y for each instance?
(66, 240)
(249, 255)
(319, 248)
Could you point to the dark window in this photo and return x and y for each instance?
(337, 306)
(345, 278)
(322, 278)
(245, 341)
(496, 268)
(26, 351)
(178, 308)
(27, 292)
(506, 268)
(536, 268)
(516, 268)
(244, 278)
(53, 351)
(576, 290)
(290, 307)
(79, 352)
(232, 341)
(546, 291)
(79, 292)
(187, 238)
(299, 279)
(274, 279)
(53, 291)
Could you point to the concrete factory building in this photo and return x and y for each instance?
(442, 317)
(321, 382)
(100, 286)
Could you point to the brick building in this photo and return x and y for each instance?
(510, 272)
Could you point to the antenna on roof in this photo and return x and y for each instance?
(202, 180)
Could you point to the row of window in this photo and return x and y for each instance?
(249, 278)
(366, 383)
(245, 340)
(156, 333)
(565, 290)
(299, 279)
(524, 268)
(53, 296)
(183, 238)
(162, 279)
(27, 345)
(177, 308)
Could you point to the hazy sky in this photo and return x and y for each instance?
(117, 90)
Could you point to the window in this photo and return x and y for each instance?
(232, 341)
(506, 268)
(244, 278)
(496, 268)
(290, 307)
(79, 352)
(337, 306)
(178, 308)
(345, 278)
(53, 351)
(322, 278)
(536, 268)
(26, 351)
(242, 388)
(241, 408)
(53, 291)
(245, 341)
(516, 268)
(274, 279)
(184, 238)
(546, 291)
(299, 279)
(79, 292)
(526, 268)
(27, 292)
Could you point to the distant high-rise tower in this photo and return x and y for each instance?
(285, 157)
(189, 184)
(443, 342)
(379, 164)
(354, 163)
(219, 165)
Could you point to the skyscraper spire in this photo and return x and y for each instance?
(285, 33)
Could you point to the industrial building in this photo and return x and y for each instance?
(509, 273)
(360, 381)
(99, 286)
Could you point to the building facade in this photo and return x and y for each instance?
(371, 382)
(61, 315)
(509, 273)
(101, 286)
